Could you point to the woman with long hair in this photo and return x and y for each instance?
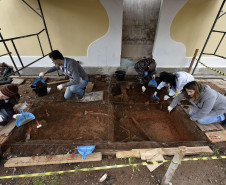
(209, 106)
(9, 96)
(175, 81)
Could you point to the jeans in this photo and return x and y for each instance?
(209, 119)
(75, 89)
(146, 73)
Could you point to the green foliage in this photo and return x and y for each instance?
(216, 151)
(38, 181)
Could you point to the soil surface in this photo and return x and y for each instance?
(123, 119)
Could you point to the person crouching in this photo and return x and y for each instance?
(9, 96)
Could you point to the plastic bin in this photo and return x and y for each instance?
(120, 75)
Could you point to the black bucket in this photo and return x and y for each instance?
(42, 91)
(120, 75)
(39, 87)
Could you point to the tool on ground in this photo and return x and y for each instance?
(154, 97)
(152, 82)
(28, 137)
(72, 155)
(85, 150)
(212, 136)
(57, 82)
(38, 124)
(94, 113)
(47, 114)
(87, 112)
(29, 107)
(24, 118)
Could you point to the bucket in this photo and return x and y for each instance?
(120, 75)
(39, 86)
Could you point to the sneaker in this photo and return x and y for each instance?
(80, 97)
(224, 122)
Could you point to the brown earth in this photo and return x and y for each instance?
(66, 127)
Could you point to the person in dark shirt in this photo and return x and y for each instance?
(145, 67)
(9, 96)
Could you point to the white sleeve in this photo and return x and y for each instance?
(179, 83)
(161, 85)
(171, 92)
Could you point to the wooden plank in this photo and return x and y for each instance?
(51, 159)
(173, 165)
(17, 81)
(141, 128)
(8, 128)
(146, 155)
(3, 139)
(166, 151)
(152, 167)
(222, 134)
(127, 154)
(206, 127)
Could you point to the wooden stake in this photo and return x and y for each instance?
(192, 61)
(174, 164)
(140, 127)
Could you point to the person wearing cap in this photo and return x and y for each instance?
(145, 68)
(9, 96)
(73, 70)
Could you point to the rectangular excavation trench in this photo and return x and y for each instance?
(110, 122)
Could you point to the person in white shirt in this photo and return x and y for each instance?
(176, 81)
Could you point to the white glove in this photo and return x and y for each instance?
(60, 87)
(153, 76)
(191, 119)
(170, 108)
(166, 97)
(1, 118)
(16, 115)
(155, 94)
(143, 88)
(41, 74)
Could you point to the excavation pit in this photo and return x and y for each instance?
(110, 125)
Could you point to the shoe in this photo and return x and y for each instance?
(224, 122)
(80, 97)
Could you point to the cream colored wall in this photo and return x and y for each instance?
(72, 24)
(193, 22)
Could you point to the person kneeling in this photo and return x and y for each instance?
(209, 106)
(9, 96)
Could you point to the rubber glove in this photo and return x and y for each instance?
(170, 108)
(60, 87)
(2, 118)
(42, 74)
(155, 94)
(191, 119)
(16, 115)
(166, 97)
(143, 88)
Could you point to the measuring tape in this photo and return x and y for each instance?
(107, 167)
(219, 72)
